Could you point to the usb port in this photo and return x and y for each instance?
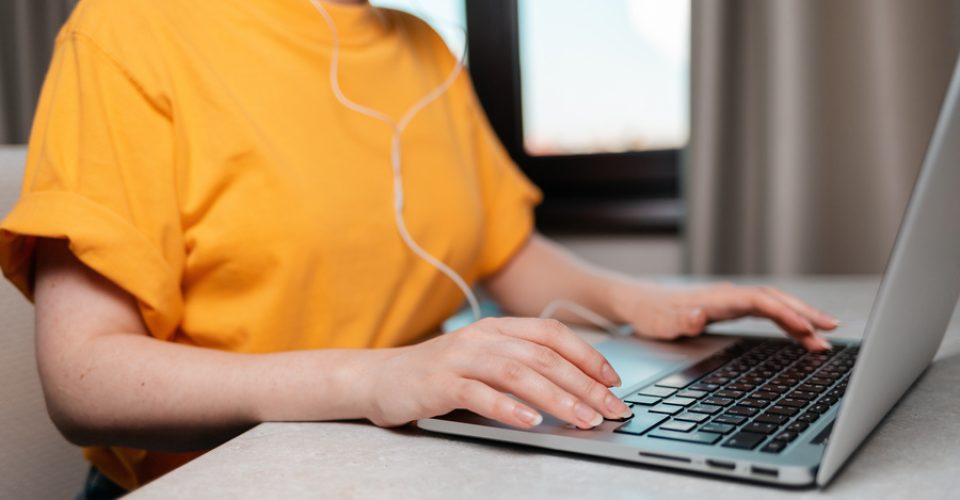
(763, 471)
(721, 465)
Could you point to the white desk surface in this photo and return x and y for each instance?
(914, 453)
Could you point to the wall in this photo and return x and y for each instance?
(635, 255)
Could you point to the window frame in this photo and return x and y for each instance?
(631, 192)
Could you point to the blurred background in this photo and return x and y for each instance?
(740, 137)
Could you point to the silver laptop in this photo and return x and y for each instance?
(764, 409)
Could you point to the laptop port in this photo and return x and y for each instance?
(719, 464)
(663, 457)
(763, 471)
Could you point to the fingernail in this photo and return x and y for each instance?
(587, 415)
(610, 376)
(528, 416)
(824, 344)
(617, 407)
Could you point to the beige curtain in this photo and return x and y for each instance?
(810, 119)
(27, 31)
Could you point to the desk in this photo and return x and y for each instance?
(914, 453)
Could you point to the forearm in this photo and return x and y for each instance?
(135, 391)
(542, 272)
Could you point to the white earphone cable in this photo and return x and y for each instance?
(396, 150)
(398, 193)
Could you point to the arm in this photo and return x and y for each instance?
(107, 382)
(542, 272)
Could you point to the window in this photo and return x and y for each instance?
(591, 100)
(603, 77)
(447, 17)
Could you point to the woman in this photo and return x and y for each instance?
(209, 238)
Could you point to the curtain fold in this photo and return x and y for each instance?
(809, 122)
(27, 32)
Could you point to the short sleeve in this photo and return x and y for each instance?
(100, 174)
(508, 197)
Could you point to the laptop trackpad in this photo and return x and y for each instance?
(644, 361)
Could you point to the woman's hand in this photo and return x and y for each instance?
(540, 361)
(663, 312)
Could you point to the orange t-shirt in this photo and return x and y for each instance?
(193, 153)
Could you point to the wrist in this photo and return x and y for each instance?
(366, 381)
(623, 295)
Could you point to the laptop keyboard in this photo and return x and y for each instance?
(754, 394)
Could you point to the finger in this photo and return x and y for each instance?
(819, 318)
(568, 377)
(555, 335)
(789, 320)
(487, 402)
(512, 376)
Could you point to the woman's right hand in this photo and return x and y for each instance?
(539, 361)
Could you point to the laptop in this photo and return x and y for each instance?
(764, 409)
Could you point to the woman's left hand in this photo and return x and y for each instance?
(662, 312)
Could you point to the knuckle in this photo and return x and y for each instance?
(511, 371)
(486, 324)
(544, 358)
(595, 391)
(552, 327)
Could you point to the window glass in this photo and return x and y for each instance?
(447, 17)
(607, 76)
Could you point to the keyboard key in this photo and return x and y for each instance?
(660, 392)
(829, 401)
(745, 440)
(642, 400)
(764, 395)
(783, 410)
(755, 403)
(692, 417)
(718, 401)
(704, 387)
(689, 393)
(705, 408)
(741, 387)
(808, 417)
(678, 426)
(772, 418)
(774, 447)
(819, 408)
(716, 379)
(689, 437)
(717, 428)
(742, 411)
(679, 401)
(641, 422)
(761, 428)
(730, 419)
(798, 427)
(667, 409)
(804, 395)
(795, 403)
(776, 388)
(729, 394)
(786, 436)
(693, 373)
(812, 388)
